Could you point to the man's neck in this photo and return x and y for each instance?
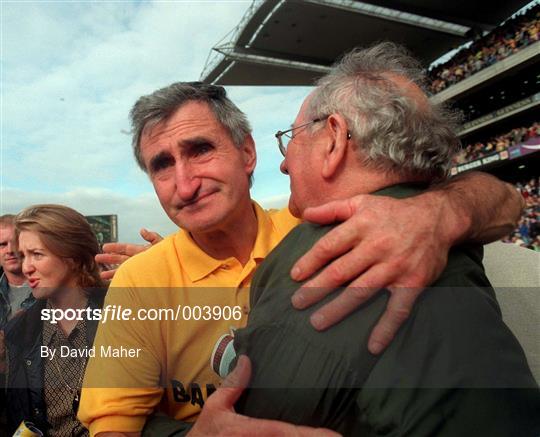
(234, 240)
(15, 279)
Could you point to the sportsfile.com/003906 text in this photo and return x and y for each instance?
(117, 312)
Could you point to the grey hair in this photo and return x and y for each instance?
(153, 108)
(389, 127)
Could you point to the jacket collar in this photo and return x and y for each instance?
(4, 285)
(22, 331)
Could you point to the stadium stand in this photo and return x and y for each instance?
(493, 77)
(515, 34)
(501, 133)
(280, 42)
(509, 95)
(497, 143)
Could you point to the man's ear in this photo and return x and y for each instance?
(336, 151)
(250, 154)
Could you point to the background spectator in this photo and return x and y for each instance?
(527, 233)
(476, 150)
(58, 248)
(514, 35)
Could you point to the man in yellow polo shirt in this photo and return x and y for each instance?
(188, 290)
(202, 179)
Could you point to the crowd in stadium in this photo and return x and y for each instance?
(517, 33)
(527, 233)
(498, 143)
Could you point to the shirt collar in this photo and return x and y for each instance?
(198, 264)
(264, 242)
(50, 330)
(404, 189)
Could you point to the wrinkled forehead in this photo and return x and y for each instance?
(191, 117)
(7, 232)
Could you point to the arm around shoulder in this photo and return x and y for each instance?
(476, 207)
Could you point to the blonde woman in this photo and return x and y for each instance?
(58, 248)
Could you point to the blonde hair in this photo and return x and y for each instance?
(67, 234)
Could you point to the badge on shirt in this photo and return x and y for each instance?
(223, 355)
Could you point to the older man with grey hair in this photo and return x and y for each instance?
(454, 367)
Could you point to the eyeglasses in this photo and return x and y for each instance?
(288, 133)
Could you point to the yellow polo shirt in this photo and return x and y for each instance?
(141, 365)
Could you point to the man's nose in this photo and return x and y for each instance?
(187, 182)
(10, 248)
(283, 167)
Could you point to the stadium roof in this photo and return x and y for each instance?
(292, 42)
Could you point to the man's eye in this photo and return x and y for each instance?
(201, 149)
(162, 163)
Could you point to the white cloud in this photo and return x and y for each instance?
(71, 72)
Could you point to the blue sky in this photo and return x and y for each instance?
(70, 72)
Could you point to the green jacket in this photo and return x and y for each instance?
(454, 368)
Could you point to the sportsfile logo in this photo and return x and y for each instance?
(118, 312)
